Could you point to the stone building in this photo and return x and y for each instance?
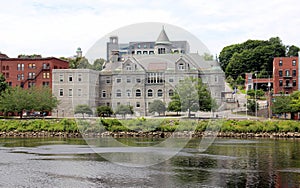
(73, 87)
(136, 78)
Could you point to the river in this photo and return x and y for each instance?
(226, 163)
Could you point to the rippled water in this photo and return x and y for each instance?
(72, 163)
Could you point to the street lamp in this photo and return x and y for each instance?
(269, 102)
(255, 90)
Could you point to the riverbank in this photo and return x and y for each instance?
(154, 128)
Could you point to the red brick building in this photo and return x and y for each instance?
(285, 78)
(285, 75)
(27, 71)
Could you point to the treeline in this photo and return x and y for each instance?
(83, 63)
(253, 55)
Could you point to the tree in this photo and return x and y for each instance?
(98, 64)
(251, 105)
(292, 51)
(83, 109)
(175, 104)
(104, 111)
(157, 106)
(124, 109)
(281, 104)
(3, 83)
(207, 57)
(34, 99)
(193, 95)
(295, 101)
(259, 93)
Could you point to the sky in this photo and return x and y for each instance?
(58, 27)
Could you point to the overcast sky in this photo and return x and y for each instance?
(58, 27)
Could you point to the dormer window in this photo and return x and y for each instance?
(181, 66)
(128, 67)
(161, 50)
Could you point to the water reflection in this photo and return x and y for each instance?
(72, 163)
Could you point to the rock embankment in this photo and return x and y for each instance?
(158, 134)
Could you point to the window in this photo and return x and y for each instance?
(46, 75)
(139, 46)
(19, 77)
(61, 78)
(294, 83)
(151, 52)
(159, 93)
(30, 65)
(138, 80)
(22, 76)
(161, 50)
(31, 75)
(118, 103)
(138, 93)
(280, 73)
(7, 75)
(7, 67)
(145, 52)
(128, 67)
(19, 67)
(138, 104)
(128, 93)
(181, 66)
(294, 73)
(103, 94)
(280, 62)
(31, 84)
(79, 92)
(108, 80)
(287, 73)
(139, 52)
(70, 78)
(3, 67)
(171, 92)
(155, 77)
(294, 62)
(119, 80)
(70, 92)
(45, 84)
(171, 80)
(145, 45)
(216, 78)
(61, 92)
(128, 80)
(79, 77)
(150, 92)
(280, 82)
(45, 66)
(118, 93)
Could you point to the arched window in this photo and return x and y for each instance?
(138, 93)
(159, 93)
(118, 93)
(128, 93)
(171, 92)
(150, 92)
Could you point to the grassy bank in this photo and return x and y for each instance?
(148, 125)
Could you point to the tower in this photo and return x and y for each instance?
(112, 47)
(78, 52)
(162, 44)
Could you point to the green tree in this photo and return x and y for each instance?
(175, 104)
(104, 111)
(34, 99)
(194, 96)
(123, 110)
(98, 64)
(281, 104)
(251, 105)
(3, 83)
(295, 101)
(292, 51)
(83, 109)
(259, 93)
(157, 106)
(207, 57)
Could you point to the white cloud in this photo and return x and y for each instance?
(57, 28)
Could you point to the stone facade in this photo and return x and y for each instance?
(73, 87)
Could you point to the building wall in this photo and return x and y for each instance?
(285, 74)
(73, 87)
(26, 72)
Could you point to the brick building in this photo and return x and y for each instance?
(27, 71)
(285, 78)
(285, 75)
